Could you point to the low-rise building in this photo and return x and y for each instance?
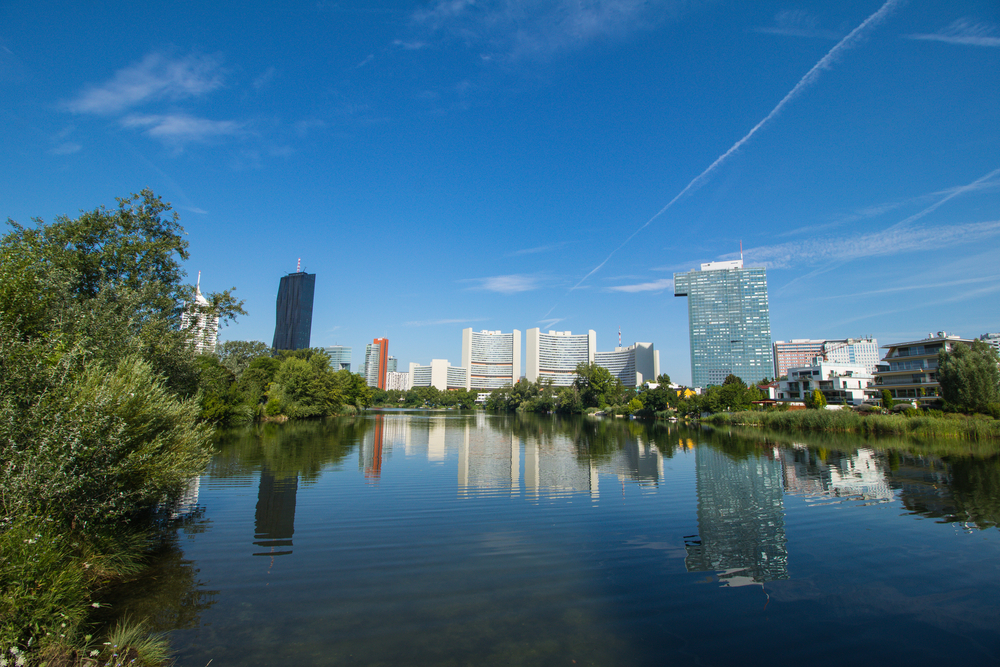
(910, 370)
(439, 373)
(838, 382)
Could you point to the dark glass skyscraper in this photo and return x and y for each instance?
(293, 324)
(730, 324)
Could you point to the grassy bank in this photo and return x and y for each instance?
(843, 421)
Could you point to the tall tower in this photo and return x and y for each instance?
(293, 325)
(556, 354)
(377, 362)
(203, 324)
(729, 322)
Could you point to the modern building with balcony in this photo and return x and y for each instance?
(556, 354)
(910, 370)
(802, 351)
(729, 322)
(492, 359)
(376, 362)
(203, 324)
(840, 383)
(633, 365)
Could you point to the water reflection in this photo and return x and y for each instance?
(274, 519)
(819, 475)
(741, 521)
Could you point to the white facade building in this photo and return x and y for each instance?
(492, 359)
(555, 355)
(439, 374)
(398, 381)
(633, 365)
(992, 339)
(204, 326)
(836, 381)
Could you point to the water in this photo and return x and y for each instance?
(471, 539)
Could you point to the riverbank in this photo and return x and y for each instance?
(842, 421)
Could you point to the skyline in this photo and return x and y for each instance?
(537, 163)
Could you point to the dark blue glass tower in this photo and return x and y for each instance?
(293, 324)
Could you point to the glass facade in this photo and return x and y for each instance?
(730, 326)
(293, 325)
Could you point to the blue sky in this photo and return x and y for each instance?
(507, 164)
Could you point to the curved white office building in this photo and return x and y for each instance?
(555, 355)
(492, 359)
(633, 365)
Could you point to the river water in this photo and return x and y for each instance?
(471, 539)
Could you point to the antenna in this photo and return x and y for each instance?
(298, 265)
(197, 286)
(741, 250)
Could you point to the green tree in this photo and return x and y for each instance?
(663, 379)
(236, 355)
(970, 377)
(596, 385)
(816, 400)
(887, 401)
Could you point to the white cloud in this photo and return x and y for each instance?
(654, 286)
(510, 284)
(965, 32)
(892, 241)
(551, 322)
(157, 77)
(265, 78)
(180, 128)
(798, 23)
(66, 148)
(528, 28)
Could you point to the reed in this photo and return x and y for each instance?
(844, 421)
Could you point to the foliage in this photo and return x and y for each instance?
(970, 377)
(887, 401)
(663, 379)
(597, 386)
(237, 355)
(816, 400)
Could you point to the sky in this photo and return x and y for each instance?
(510, 164)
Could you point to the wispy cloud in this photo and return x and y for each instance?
(654, 286)
(66, 148)
(517, 29)
(892, 241)
(156, 78)
(265, 78)
(434, 323)
(409, 46)
(826, 62)
(194, 209)
(538, 249)
(510, 284)
(965, 32)
(551, 322)
(798, 23)
(181, 128)
(910, 288)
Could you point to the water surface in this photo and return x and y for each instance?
(470, 539)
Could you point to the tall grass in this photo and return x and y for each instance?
(972, 428)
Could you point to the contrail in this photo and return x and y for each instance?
(811, 76)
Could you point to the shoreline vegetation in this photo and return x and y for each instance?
(977, 428)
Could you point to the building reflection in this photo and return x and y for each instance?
(741, 522)
(274, 520)
(817, 476)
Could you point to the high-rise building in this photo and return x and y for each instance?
(293, 326)
(492, 359)
(204, 326)
(555, 355)
(802, 351)
(729, 322)
(633, 365)
(340, 357)
(377, 362)
(390, 366)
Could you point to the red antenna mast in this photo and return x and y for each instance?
(298, 265)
